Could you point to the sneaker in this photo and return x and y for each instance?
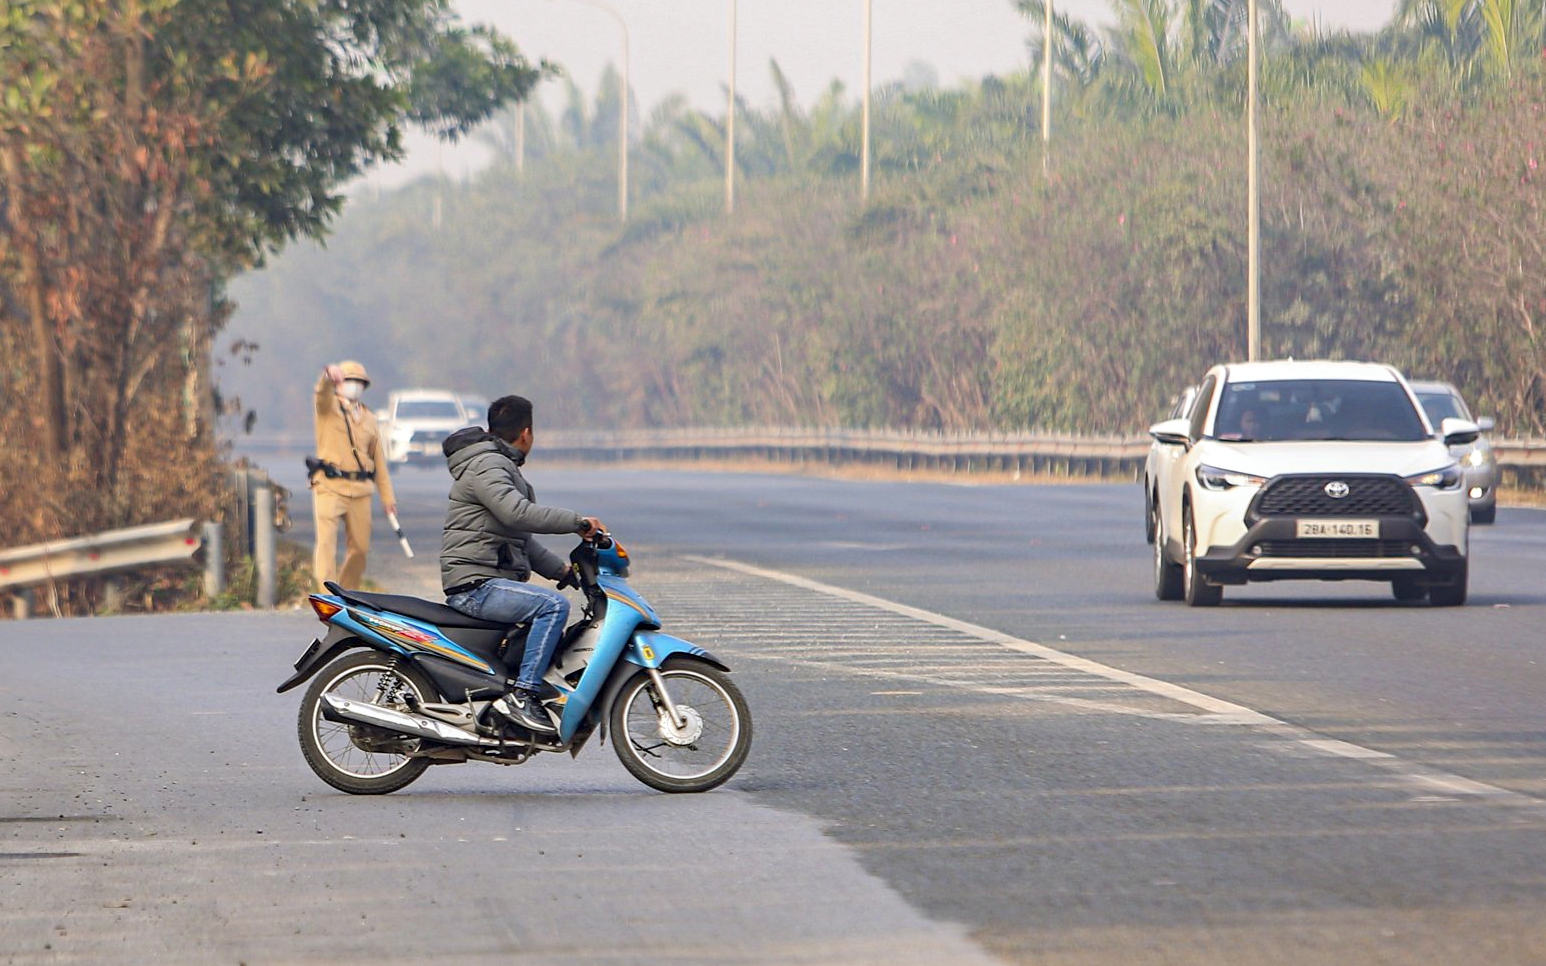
(519, 707)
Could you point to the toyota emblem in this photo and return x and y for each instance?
(1336, 489)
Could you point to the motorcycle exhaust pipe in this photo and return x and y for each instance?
(335, 708)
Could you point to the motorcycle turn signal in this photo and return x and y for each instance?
(325, 608)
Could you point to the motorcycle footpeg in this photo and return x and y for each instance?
(491, 724)
(494, 725)
(519, 737)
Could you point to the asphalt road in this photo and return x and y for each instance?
(979, 738)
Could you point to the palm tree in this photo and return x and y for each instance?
(1160, 52)
(1143, 35)
(1079, 54)
(526, 126)
(1473, 37)
(1388, 87)
(1504, 20)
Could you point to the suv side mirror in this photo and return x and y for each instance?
(1459, 432)
(1172, 432)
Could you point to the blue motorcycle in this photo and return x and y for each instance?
(403, 683)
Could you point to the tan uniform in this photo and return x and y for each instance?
(346, 502)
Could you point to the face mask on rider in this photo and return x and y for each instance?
(351, 389)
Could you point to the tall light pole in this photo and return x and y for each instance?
(864, 137)
(1046, 92)
(1253, 192)
(622, 137)
(730, 124)
(520, 138)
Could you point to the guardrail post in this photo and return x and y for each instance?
(214, 559)
(21, 604)
(112, 595)
(263, 555)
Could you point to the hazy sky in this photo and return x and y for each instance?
(681, 45)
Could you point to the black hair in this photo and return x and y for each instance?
(509, 417)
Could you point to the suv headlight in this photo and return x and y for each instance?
(1213, 478)
(1475, 458)
(1445, 478)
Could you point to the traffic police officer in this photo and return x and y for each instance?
(350, 461)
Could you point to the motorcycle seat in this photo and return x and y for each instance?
(419, 609)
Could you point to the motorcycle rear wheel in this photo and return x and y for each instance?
(670, 757)
(335, 750)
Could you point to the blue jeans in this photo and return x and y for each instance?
(501, 601)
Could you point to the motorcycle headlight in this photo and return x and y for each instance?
(1213, 478)
(1475, 458)
(1445, 478)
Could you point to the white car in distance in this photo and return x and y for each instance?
(417, 421)
(1180, 407)
(1309, 470)
(476, 408)
(1441, 401)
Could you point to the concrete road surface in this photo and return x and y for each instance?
(979, 739)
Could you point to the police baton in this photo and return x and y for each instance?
(397, 528)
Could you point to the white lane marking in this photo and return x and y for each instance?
(1347, 750)
(1163, 689)
(1215, 710)
(931, 676)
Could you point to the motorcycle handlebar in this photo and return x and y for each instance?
(583, 556)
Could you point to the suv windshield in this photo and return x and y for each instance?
(1317, 409)
(1441, 406)
(427, 409)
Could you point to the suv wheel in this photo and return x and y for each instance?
(1149, 512)
(1199, 593)
(1167, 575)
(1453, 593)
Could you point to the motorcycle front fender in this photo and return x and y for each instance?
(650, 649)
(321, 651)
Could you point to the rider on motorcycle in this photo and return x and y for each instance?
(489, 553)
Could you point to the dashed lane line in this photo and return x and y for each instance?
(1213, 711)
(1164, 689)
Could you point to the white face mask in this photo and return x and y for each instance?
(351, 389)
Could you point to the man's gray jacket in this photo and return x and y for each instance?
(493, 514)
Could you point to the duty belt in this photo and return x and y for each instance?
(314, 465)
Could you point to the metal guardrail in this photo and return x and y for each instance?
(1524, 460)
(99, 554)
(1102, 456)
(1520, 452)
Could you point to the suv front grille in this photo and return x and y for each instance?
(429, 435)
(1367, 496)
(1335, 548)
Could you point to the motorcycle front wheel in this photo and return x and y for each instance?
(356, 758)
(694, 754)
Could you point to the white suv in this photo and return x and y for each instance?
(1309, 470)
(417, 421)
